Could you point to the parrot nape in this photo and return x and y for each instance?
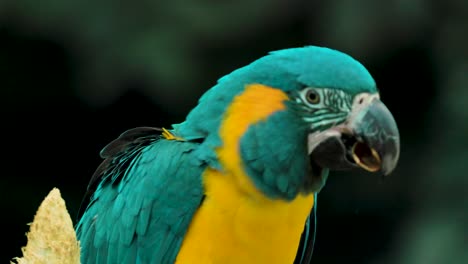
(236, 182)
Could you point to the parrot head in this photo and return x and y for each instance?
(321, 111)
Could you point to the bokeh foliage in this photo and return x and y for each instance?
(74, 74)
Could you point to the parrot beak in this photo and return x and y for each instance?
(368, 139)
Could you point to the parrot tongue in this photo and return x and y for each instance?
(336, 150)
(361, 154)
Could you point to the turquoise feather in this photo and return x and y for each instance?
(279, 165)
(147, 217)
(141, 200)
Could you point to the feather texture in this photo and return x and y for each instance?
(142, 220)
(143, 197)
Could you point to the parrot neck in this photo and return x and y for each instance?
(237, 222)
(263, 146)
(254, 105)
(231, 227)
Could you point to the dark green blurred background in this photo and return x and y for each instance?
(75, 74)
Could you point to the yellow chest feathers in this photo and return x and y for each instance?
(236, 223)
(231, 227)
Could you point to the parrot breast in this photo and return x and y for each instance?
(236, 222)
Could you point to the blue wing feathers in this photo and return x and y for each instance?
(143, 203)
(128, 256)
(143, 221)
(117, 207)
(114, 237)
(102, 254)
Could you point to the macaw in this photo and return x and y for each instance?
(237, 181)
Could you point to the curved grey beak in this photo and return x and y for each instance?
(368, 139)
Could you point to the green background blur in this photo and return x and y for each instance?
(75, 74)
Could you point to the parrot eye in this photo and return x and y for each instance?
(312, 97)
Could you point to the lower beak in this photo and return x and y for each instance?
(368, 139)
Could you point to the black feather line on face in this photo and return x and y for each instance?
(117, 156)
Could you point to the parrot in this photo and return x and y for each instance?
(237, 180)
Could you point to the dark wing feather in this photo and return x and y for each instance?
(127, 138)
(143, 199)
(112, 153)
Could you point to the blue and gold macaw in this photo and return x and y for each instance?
(236, 182)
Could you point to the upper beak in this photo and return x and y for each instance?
(368, 139)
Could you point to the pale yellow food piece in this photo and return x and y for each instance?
(51, 238)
